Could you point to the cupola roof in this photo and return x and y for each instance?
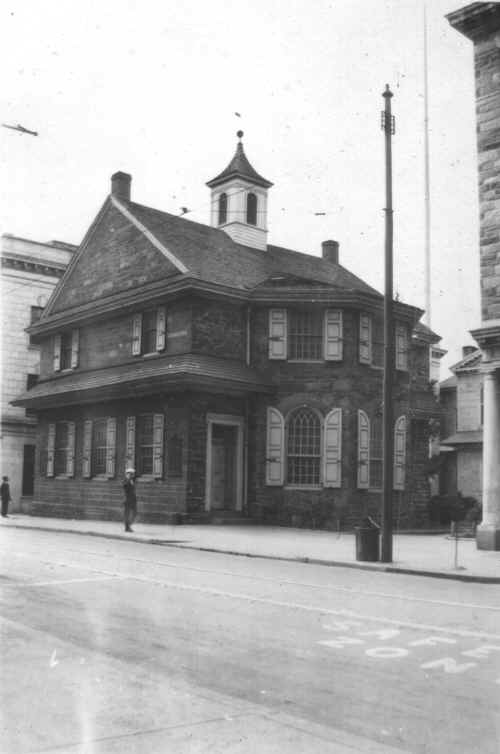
(239, 167)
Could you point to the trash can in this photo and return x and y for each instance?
(368, 540)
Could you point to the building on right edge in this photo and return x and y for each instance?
(480, 22)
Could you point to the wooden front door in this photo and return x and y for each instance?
(224, 445)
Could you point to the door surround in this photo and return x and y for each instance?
(232, 421)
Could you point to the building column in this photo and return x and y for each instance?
(488, 532)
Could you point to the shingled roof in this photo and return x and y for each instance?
(124, 380)
(239, 167)
(211, 255)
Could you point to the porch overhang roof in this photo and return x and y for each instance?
(466, 437)
(145, 377)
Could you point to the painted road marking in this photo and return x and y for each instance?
(449, 665)
(57, 582)
(342, 613)
(274, 580)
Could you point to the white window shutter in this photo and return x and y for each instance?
(399, 453)
(333, 338)
(75, 348)
(87, 449)
(70, 450)
(110, 447)
(51, 447)
(130, 444)
(332, 476)
(401, 347)
(275, 448)
(277, 334)
(136, 334)
(363, 451)
(158, 424)
(365, 339)
(161, 328)
(57, 353)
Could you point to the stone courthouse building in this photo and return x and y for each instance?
(237, 377)
(480, 22)
(29, 273)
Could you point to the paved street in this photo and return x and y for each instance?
(114, 646)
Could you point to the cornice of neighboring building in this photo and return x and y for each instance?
(35, 257)
(32, 266)
(476, 20)
(471, 363)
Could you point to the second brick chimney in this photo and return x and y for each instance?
(120, 185)
(330, 251)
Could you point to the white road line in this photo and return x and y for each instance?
(281, 603)
(55, 582)
(328, 587)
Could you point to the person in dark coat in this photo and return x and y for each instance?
(130, 502)
(5, 493)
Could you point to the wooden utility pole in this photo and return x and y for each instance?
(388, 126)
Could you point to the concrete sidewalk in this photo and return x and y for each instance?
(424, 555)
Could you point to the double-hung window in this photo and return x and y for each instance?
(365, 339)
(35, 314)
(149, 331)
(305, 334)
(99, 446)
(66, 350)
(402, 347)
(376, 454)
(61, 449)
(145, 444)
(370, 452)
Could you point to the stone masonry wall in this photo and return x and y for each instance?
(487, 70)
(351, 386)
(102, 498)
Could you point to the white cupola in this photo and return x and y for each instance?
(239, 201)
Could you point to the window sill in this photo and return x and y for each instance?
(149, 478)
(303, 486)
(309, 361)
(100, 478)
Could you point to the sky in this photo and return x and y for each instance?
(152, 87)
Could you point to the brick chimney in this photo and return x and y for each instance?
(120, 185)
(330, 251)
(467, 350)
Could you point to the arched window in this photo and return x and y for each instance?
(304, 448)
(251, 209)
(222, 209)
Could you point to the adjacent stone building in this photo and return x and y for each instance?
(237, 377)
(462, 427)
(30, 271)
(480, 22)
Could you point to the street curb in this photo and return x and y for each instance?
(312, 561)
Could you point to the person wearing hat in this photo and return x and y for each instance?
(5, 494)
(130, 502)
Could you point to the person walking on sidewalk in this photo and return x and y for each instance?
(130, 502)
(5, 494)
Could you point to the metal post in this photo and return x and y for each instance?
(388, 439)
